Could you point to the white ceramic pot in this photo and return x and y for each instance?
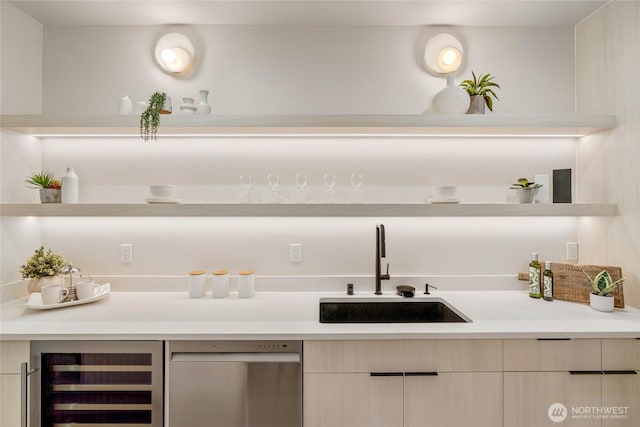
(526, 195)
(601, 303)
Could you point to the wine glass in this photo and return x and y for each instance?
(301, 183)
(356, 183)
(330, 182)
(245, 183)
(274, 182)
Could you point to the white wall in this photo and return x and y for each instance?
(608, 82)
(304, 70)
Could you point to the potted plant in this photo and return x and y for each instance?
(150, 118)
(525, 190)
(480, 90)
(42, 267)
(600, 298)
(49, 186)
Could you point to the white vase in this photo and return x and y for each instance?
(187, 106)
(70, 191)
(203, 106)
(601, 302)
(451, 100)
(125, 106)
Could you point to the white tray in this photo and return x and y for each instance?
(35, 299)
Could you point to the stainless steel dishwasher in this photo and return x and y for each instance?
(234, 383)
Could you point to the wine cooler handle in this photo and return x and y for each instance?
(24, 391)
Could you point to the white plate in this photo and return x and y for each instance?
(434, 200)
(161, 200)
(35, 299)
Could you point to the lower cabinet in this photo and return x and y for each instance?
(12, 355)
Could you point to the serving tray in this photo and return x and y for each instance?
(35, 299)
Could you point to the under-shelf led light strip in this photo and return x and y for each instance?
(313, 135)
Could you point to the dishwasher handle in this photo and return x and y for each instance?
(235, 357)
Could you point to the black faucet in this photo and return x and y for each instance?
(380, 253)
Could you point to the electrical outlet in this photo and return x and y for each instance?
(126, 253)
(572, 251)
(295, 252)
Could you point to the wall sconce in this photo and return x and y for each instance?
(443, 56)
(175, 54)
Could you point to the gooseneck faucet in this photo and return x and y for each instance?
(380, 253)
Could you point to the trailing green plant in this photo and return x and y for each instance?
(44, 179)
(481, 86)
(42, 264)
(150, 118)
(524, 183)
(603, 284)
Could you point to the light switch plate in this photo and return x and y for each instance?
(572, 251)
(295, 252)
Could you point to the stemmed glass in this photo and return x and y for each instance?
(274, 182)
(330, 182)
(245, 183)
(301, 183)
(356, 183)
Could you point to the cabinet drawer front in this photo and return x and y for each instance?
(403, 356)
(552, 355)
(461, 399)
(352, 400)
(621, 354)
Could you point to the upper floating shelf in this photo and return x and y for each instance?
(308, 210)
(480, 125)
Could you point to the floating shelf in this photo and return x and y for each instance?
(307, 210)
(480, 125)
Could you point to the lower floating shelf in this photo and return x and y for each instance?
(308, 210)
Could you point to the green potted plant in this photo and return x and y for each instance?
(43, 267)
(525, 190)
(480, 90)
(49, 186)
(150, 118)
(600, 298)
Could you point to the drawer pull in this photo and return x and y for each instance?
(586, 372)
(553, 339)
(623, 372)
(386, 374)
(421, 374)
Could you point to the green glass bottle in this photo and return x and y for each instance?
(547, 281)
(534, 277)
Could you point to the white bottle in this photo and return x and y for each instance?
(124, 106)
(70, 192)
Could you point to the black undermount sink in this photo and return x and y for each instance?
(388, 310)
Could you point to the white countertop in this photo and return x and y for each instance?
(294, 315)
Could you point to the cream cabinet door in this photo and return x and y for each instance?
(621, 382)
(538, 399)
(458, 399)
(352, 400)
(12, 354)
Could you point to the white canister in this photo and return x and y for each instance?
(70, 187)
(246, 284)
(220, 283)
(197, 283)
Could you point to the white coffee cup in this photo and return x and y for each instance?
(220, 283)
(246, 284)
(85, 290)
(197, 283)
(53, 294)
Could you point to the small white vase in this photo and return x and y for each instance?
(451, 100)
(70, 190)
(601, 302)
(187, 106)
(203, 106)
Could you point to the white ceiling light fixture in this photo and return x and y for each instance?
(175, 54)
(443, 54)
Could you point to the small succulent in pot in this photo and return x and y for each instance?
(483, 89)
(525, 190)
(48, 185)
(525, 183)
(603, 284)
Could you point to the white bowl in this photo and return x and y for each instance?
(162, 191)
(444, 191)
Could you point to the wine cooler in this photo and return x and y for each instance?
(96, 383)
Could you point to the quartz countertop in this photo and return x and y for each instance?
(294, 315)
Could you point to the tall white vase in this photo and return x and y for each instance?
(203, 106)
(451, 100)
(70, 191)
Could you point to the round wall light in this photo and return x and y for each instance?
(443, 54)
(175, 54)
